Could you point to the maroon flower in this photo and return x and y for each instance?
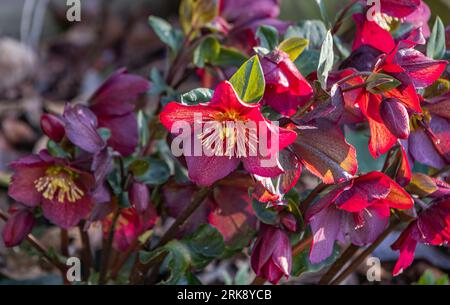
(224, 139)
(286, 88)
(18, 226)
(272, 254)
(53, 127)
(63, 191)
(356, 211)
(111, 103)
(432, 227)
(429, 142)
(139, 196)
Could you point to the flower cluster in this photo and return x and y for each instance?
(227, 162)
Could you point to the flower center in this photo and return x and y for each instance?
(230, 135)
(59, 182)
(387, 22)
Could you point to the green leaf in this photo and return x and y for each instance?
(206, 242)
(143, 128)
(267, 216)
(323, 11)
(438, 88)
(158, 172)
(206, 52)
(312, 30)
(268, 37)
(293, 46)
(378, 83)
(229, 57)
(139, 167)
(436, 43)
(158, 83)
(56, 150)
(166, 33)
(308, 61)
(199, 95)
(248, 81)
(326, 60)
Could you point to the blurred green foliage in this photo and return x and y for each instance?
(308, 9)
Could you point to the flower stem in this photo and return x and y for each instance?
(361, 257)
(140, 270)
(107, 247)
(36, 244)
(64, 242)
(338, 264)
(86, 252)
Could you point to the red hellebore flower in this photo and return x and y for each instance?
(387, 112)
(63, 191)
(432, 227)
(111, 103)
(272, 254)
(130, 225)
(429, 142)
(286, 88)
(356, 211)
(18, 226)
(218, 128)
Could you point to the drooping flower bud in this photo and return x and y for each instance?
(272, 254)
(139, 196)
(395, 117)
(52, 126)
(18, 226)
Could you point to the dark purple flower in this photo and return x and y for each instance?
(356, 211)
(112, 104)
(139, 196)
(272, 254)
(18, 226)
(63, 191)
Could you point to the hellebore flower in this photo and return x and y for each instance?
(53, 127)
(272, 254)
(387, 110)
(218, 135)
(241, 18)
(63, 191)
(399, 9)
(286, 88)
(431, 227)
(130, 225)
(356, 211)
(111, 103)
(18, 226)
(429, 142)
(139, 196)
(420, 17)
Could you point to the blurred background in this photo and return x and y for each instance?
(45, 61)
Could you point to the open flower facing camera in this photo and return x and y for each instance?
(242, 148)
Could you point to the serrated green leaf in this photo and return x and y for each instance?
(436, 43)
(268, 37)
(229, 57)
(326, 60)
(249, 81)
(293, 46)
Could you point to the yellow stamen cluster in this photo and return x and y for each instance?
(59, 181)
(228, 135)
